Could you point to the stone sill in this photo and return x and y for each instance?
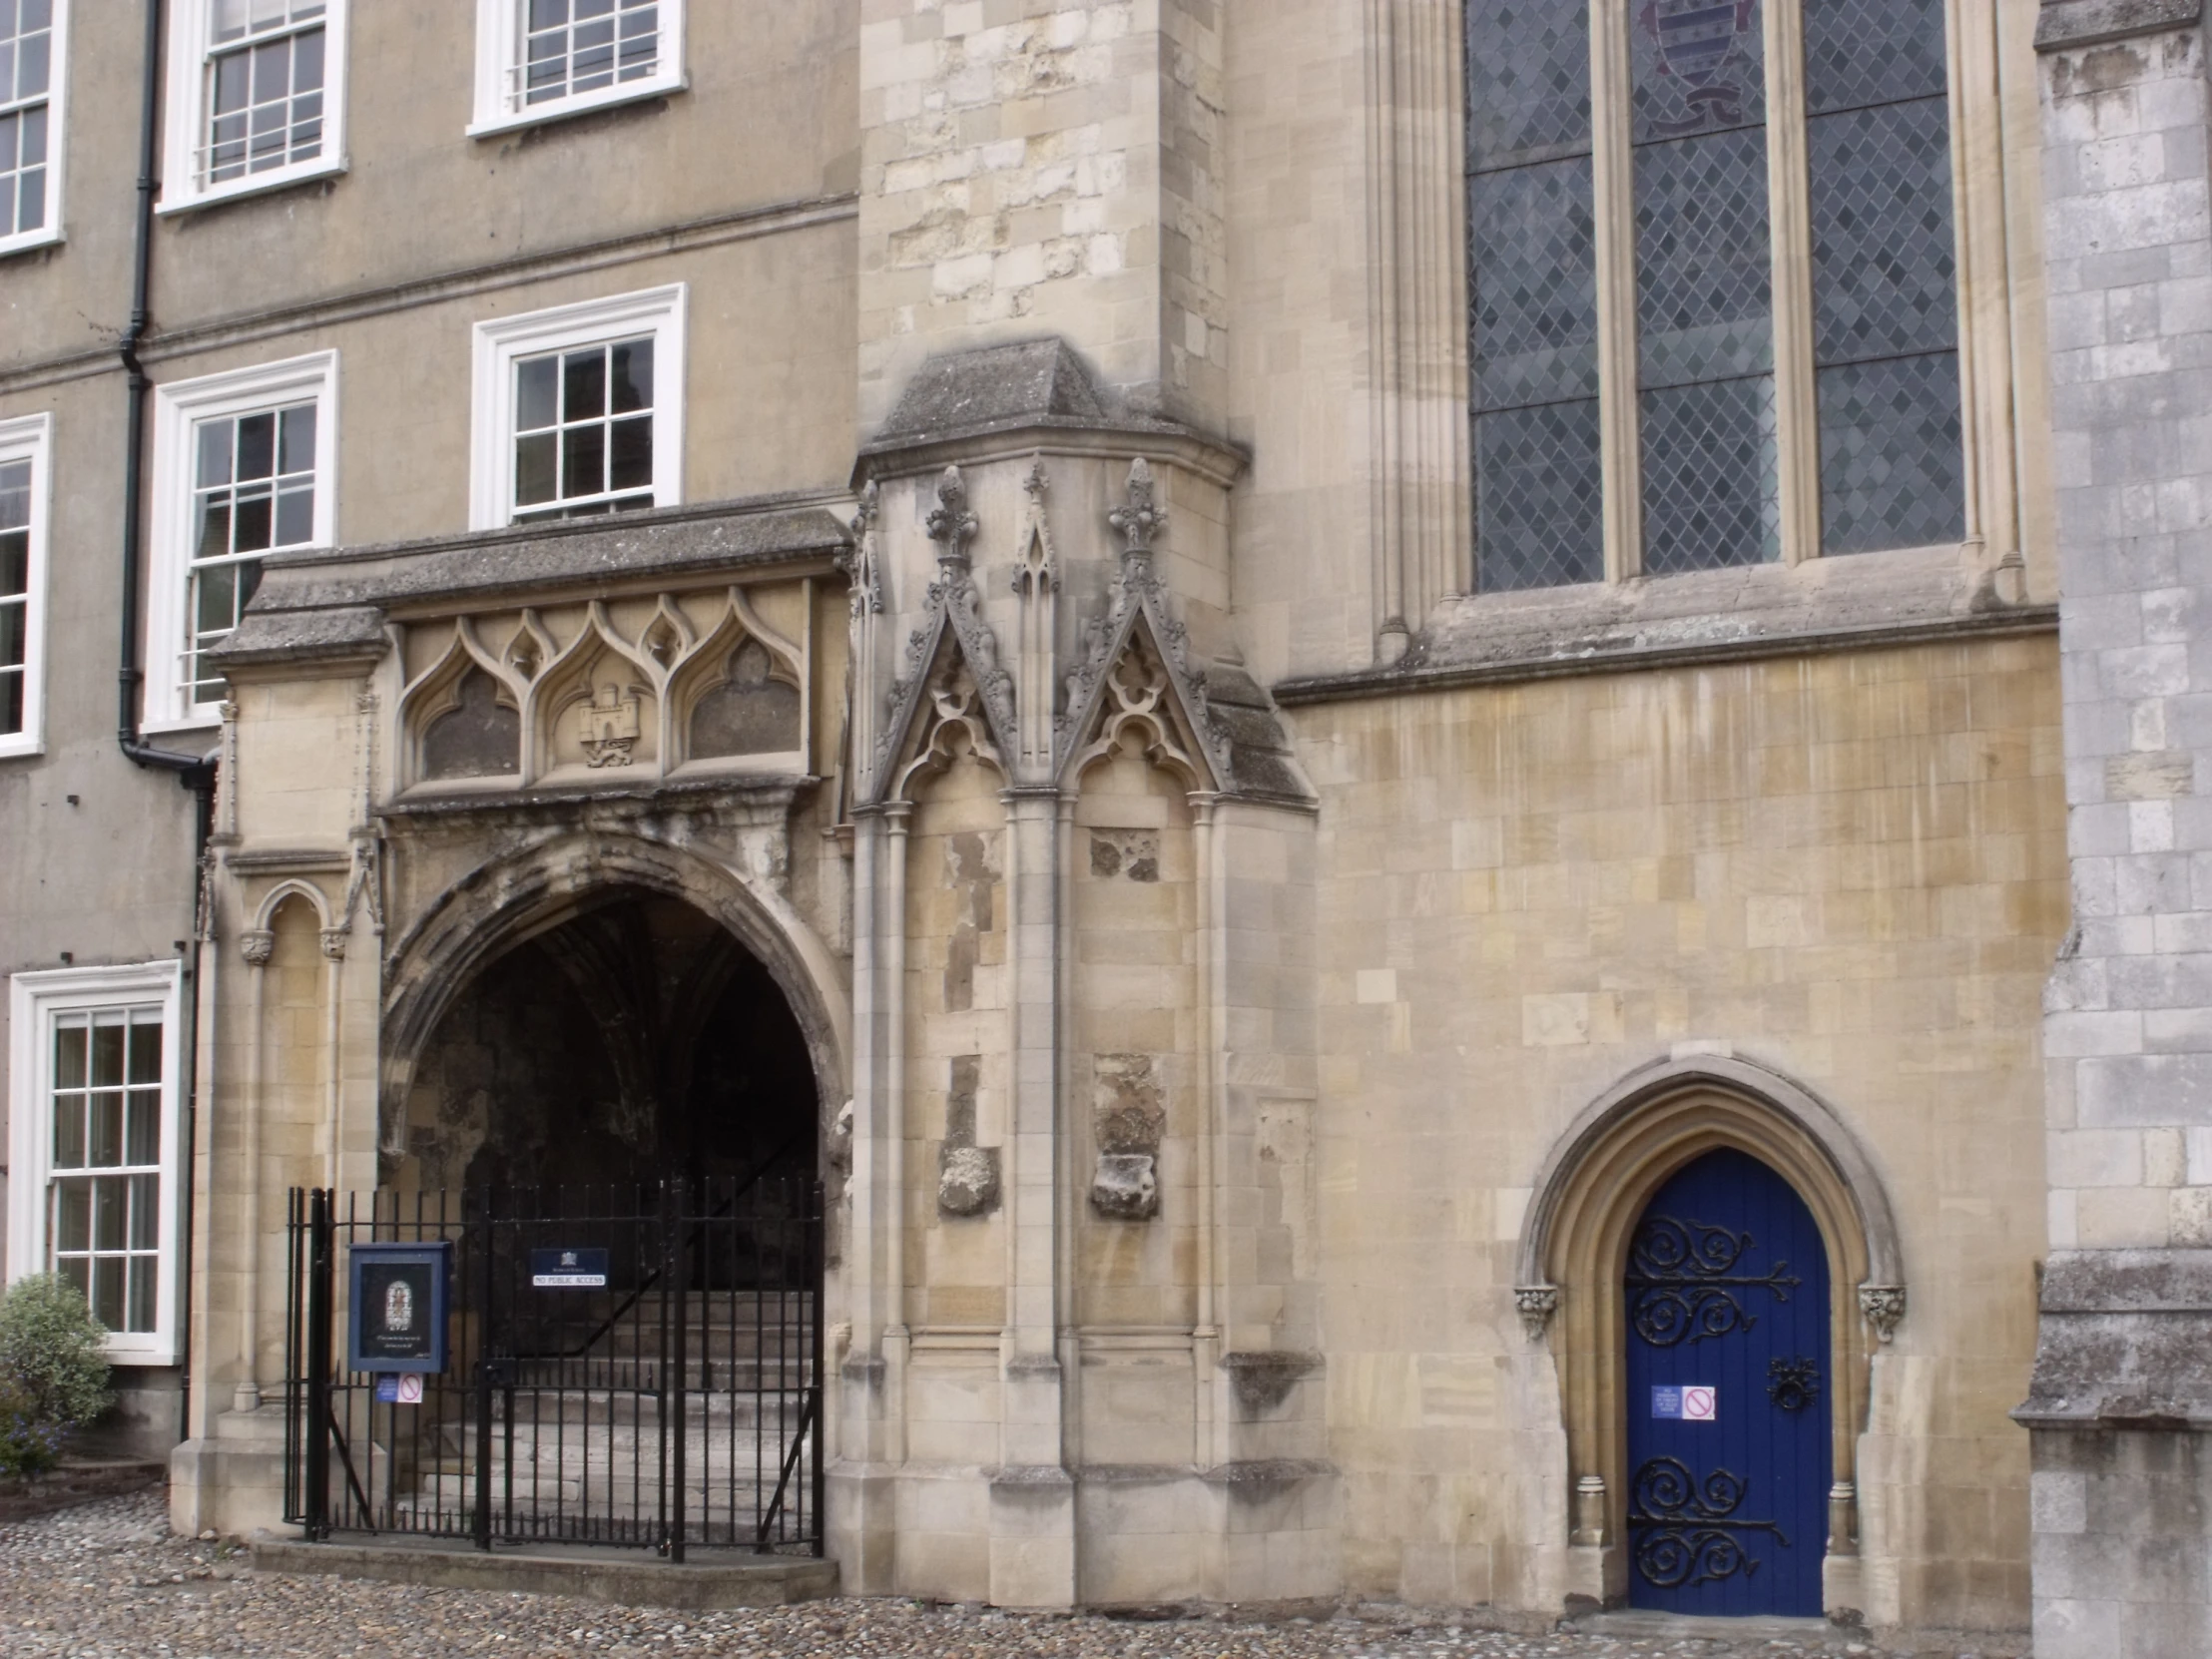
(1864, 601)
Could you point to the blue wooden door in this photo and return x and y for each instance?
(1726, 1296)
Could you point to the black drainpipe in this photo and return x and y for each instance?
(195, 773)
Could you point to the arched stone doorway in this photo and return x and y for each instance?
(604, 1162)
(636, 1039)
(1571, 1284)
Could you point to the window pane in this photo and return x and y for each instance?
(1704, 285)
(78, 1273)
(1532, 294)
(215, 452)
(145, 1047)
(142, 1141)
(140, 1309)
(107, 1290)
(306, 64)
(15, 495)
(583, 461)
(214, 528)
(1702, 258)
(232, 81)
(69, 1132)
(107, 1049)
(1860, 52)
(73, 1215)
(217, 587)
(1538, 496)
(1528, 80)
(1533, 297)
(633, 454)
(1709, 475)
(254, 523)
(12, 633)
(15, 563)
(1698, 66)
(584, 384)
(146, 1211)
(296, 445)
(70, 1039)
(111, 1213)
(294, 517)
(256, 446)
(535, 465)
(633, 377)
(106, 1129)
(1892, 468)
(536, 384)
(1883, 262)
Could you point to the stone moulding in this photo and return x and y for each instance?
(2121, 1343)
(2068, 25)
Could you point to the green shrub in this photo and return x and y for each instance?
(53, 1370)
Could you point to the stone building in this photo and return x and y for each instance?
(1352, 711)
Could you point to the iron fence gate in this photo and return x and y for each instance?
(677, 1405)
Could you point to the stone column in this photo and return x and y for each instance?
(2122, 1481)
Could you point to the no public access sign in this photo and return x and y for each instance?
(1685, 1402)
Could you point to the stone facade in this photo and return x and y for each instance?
(1238, 982)
(2117, 1399)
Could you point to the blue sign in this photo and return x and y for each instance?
(1684, 1404)
(568, 1268)
(397, 1312)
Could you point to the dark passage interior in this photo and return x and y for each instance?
(636, 1040)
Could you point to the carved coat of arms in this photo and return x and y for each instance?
(1704, 48)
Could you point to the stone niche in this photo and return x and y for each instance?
(618, 691)
(1129, 1119)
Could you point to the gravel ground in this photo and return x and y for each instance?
(107, 1579)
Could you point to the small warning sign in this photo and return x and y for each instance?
(401, 1387)
(1685, 1402)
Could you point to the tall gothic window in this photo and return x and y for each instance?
(1644, 183)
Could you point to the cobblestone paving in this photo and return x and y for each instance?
(107, 1580)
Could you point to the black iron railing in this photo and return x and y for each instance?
(677, 1405)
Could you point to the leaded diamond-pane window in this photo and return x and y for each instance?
(1532, 297)
(1734, 395)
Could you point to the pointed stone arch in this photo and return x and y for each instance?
(1588, 1198)
(535, 888)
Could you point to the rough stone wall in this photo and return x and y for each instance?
(2120, 1485)
(2129, 1035)
(1031, 170)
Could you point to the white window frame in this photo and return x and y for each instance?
(31, 438)
(56, 134)
(499, 35)
(183, 187)
(659, 313)
(178, 408)
(34, 999)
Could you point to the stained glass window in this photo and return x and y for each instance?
(1704, 285)
(1882, 382)
(1885, 315)
(1532, 294)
